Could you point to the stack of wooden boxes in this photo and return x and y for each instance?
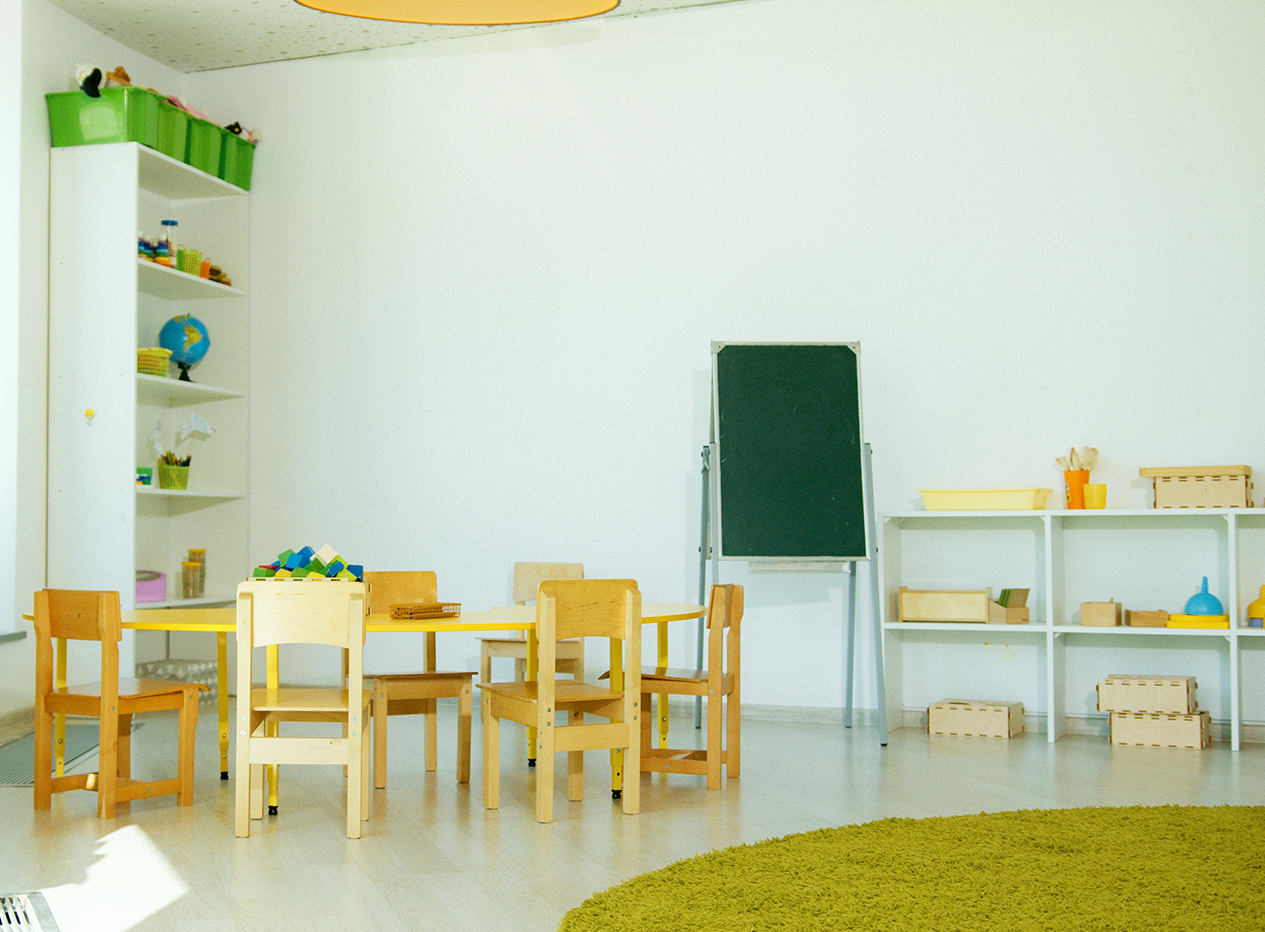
(1154, 711)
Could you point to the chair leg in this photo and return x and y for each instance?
(544, 772)
(631, 795)
(188, 729)
(465, 712)
(43, 760)
(715, 739)
(364, 773)
(575, 765)
(432, 735)
(491, 755)
(485, 665)
(647, 725)
(520, 669)
(108, 765)
(125, 747)
(245, 790)
(256, 783)
(381, 710)
(733, 744)
(355, 758)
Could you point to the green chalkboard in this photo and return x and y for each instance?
(789, 447)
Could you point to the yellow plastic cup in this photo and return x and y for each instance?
(1095, 495)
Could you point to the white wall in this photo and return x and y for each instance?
(49, 45)
(487, 271)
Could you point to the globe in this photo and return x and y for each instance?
(188, 340)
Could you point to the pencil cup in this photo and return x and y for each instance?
(1095, 495)
(173, 477)
(1075, 480)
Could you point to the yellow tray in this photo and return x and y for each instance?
(984, 499)
(1198, 621)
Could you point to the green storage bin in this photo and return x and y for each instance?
(237, 156)
(202, 149)
(173, 130)
(120, 114)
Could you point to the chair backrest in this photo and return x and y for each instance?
(400, 587)
(724, 610)
(529, 576)
(604, 608)
(301, 612)
(79, 615)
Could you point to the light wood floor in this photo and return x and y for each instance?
(433, 858)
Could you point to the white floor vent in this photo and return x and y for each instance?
(25, 912)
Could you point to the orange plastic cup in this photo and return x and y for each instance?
(1075, 480)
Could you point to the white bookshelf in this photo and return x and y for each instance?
(104, 303)
(1147, 559)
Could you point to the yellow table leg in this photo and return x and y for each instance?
(221, 684)
(663, 697)
(533, 662)
(617, 684)
(270, 729)
(59, 720)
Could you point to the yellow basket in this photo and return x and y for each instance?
(152, 360)
(173, 477)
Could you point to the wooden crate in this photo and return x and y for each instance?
(1169, 694)
(963, 605)
(1100, 614)
(1157, 730)
(1201, 486)
(1146, 619)
(975, 718)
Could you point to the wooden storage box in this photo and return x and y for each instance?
(966, 605)
(1201, 486)
(1101, 614)
(1125, 693)
(1158, 730)
(1146, 619)
(975, 718)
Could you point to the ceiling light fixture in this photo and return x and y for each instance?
(465, 12)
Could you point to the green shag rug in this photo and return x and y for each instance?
(1187, 868)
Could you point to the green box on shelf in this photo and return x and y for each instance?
(202, 150)
(173, 130)
(120, 114)
(237, 156)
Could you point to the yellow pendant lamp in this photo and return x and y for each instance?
(465, 12)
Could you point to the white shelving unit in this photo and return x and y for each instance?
(1147, 559)
(104, 303)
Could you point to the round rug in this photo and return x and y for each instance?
(1189, 868)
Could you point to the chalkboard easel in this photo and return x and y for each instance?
(787, 483)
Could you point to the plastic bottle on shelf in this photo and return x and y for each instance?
(166, 251)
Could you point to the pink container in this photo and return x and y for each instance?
(151, 586)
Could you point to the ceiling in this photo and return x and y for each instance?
(202, 35)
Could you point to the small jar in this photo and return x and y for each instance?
(166, 251)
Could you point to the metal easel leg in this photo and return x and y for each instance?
(850, 634)
(876, 618)
(705, 529)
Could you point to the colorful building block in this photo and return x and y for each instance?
(335, 568)
(327, 554)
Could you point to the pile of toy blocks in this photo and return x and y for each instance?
(306, 564)
(1154, 711)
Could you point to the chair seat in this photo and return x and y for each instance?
(263, 699)
(136, 688)
(565, 691)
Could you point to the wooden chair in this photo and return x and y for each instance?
(720, 679)
(606, 608)
(415, 693)
(94, 616)
(302, 611)
(527, 578)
